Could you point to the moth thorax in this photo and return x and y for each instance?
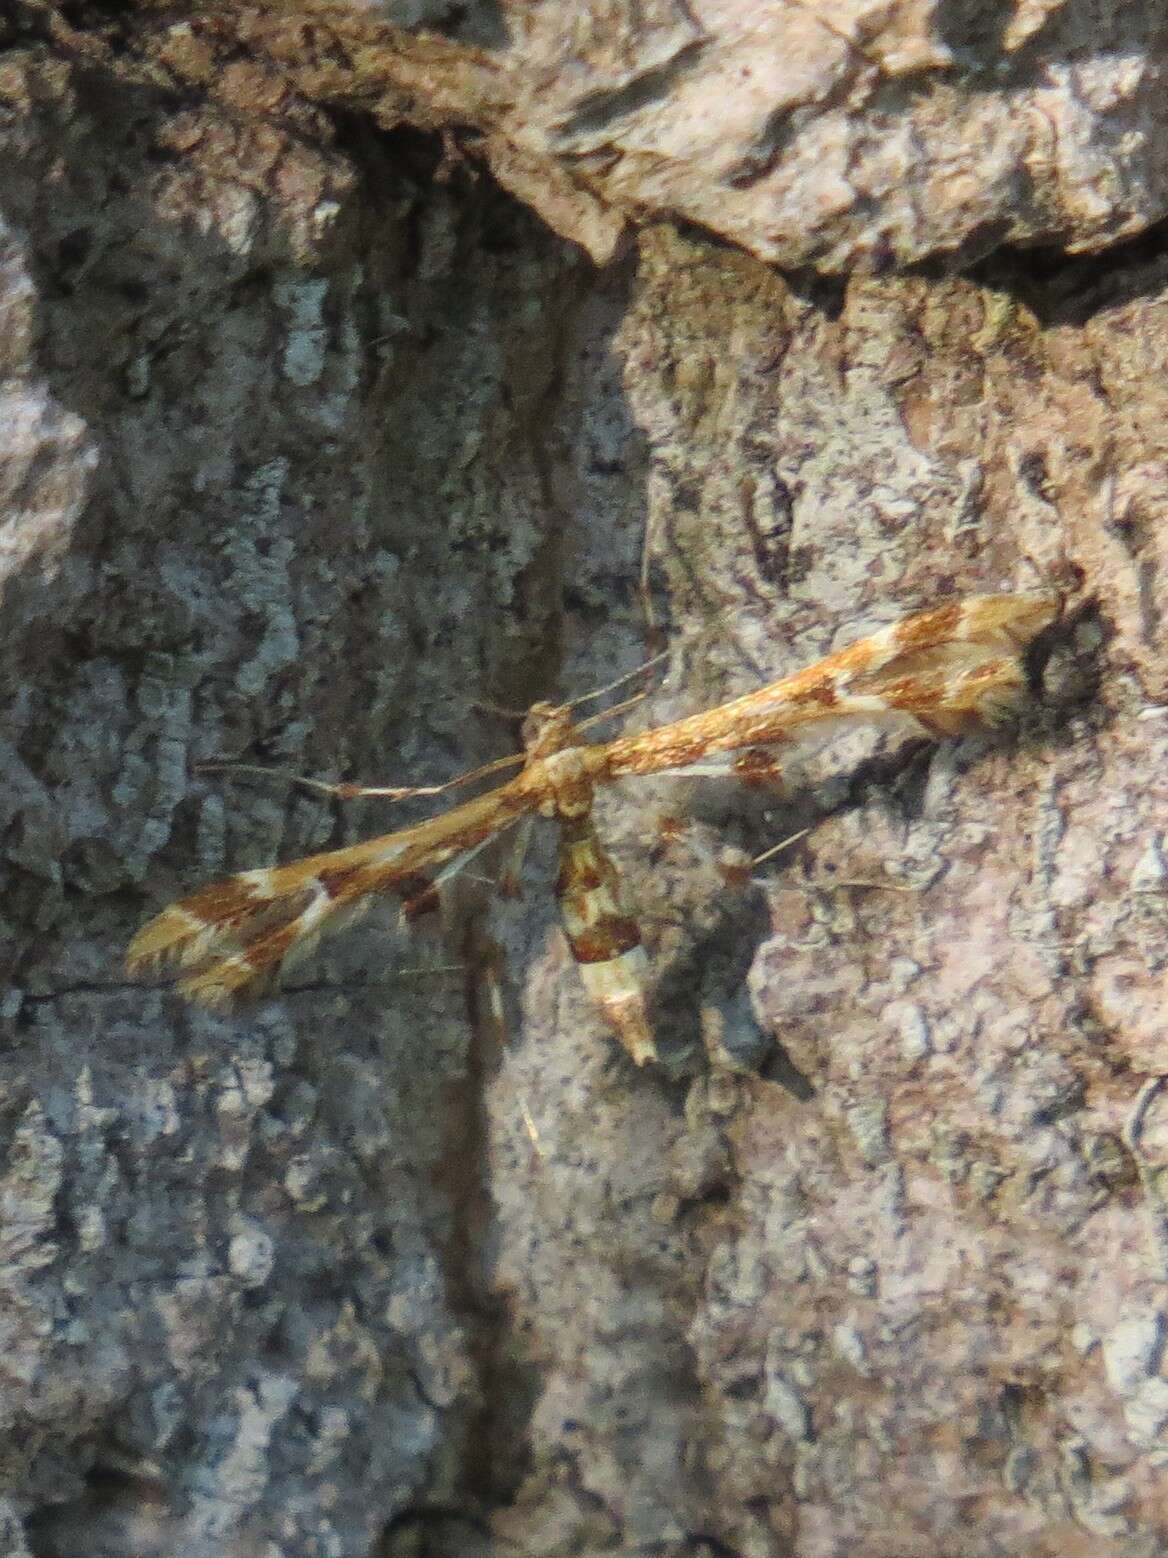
(564, 781)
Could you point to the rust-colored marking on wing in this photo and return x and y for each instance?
(758, 767)
(928, 628)
(339, 881)
(217, 981)
(236, 935)
(180, 934)
(952, 667)
(954, 663)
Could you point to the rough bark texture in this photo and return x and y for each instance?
(316, 441)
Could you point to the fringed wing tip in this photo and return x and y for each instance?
(174, 936)
(1012, 620)
(221, 964)
(1040, 610)
(216, 982)
(203, 925)
(219, 986)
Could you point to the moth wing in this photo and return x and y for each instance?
(236, 936)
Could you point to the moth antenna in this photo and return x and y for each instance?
(617, 708)
(500, 709)
(346, 790)
(639, 670)
(585, 697)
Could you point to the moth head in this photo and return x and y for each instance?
(546, 728)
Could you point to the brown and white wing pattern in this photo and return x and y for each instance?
(953, 668)
(604, 938)
(957, 666)
(235, 937)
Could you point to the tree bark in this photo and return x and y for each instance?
(354, 373)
